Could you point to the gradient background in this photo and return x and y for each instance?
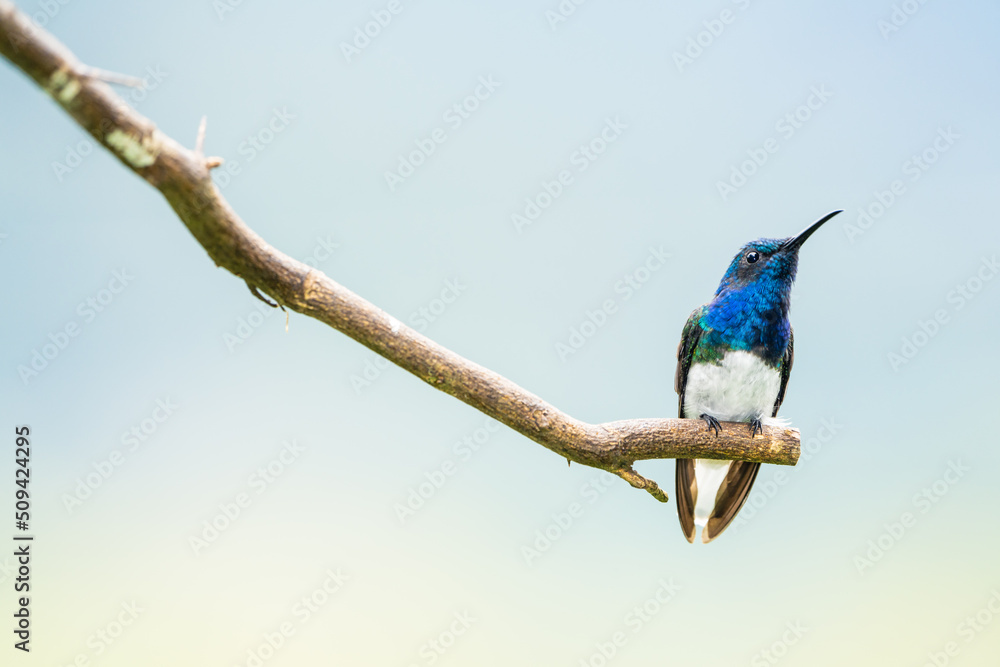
(792, 559)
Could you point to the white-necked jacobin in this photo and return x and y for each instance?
(733, 363)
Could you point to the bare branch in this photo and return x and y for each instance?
(182, 176)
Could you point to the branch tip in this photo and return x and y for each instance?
(109, 77)
(256, 293)
(199, 144)
(639, 482)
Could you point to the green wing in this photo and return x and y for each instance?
(685, 353)
(786, 370)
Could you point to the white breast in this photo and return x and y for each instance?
(739, 389)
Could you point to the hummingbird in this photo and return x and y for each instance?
(733, 364)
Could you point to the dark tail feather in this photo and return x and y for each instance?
(686, 494)
(732, 494)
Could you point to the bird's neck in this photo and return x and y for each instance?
(753, 317)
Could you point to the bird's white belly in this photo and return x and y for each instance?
(739, 389)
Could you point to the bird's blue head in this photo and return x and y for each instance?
(767, 263)
(750, 308)
(763, 262)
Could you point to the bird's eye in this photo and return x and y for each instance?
(752, 256)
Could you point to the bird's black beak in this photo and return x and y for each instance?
(793, 244)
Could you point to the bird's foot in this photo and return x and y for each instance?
(756, 427)
(712, 423)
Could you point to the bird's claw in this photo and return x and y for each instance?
(712, 423)
(755, 428)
